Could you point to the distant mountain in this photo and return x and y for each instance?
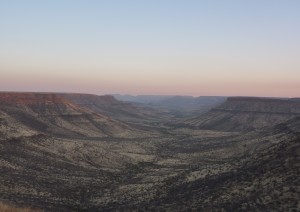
(179, 105)
(295, 99)
(143, 99)
(188, 103)
(30, 113)
(245, 113)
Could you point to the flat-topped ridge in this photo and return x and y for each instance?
(31, 98)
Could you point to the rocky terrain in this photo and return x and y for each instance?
(72, 152)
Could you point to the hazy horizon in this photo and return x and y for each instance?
(197, 48)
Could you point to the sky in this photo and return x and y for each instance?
(161, 47)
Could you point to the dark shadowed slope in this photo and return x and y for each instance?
(26, 113)
(243, 113)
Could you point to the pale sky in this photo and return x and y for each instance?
(180, 47)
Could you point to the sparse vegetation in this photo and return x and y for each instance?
(154, 167)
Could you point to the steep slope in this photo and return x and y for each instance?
(55, 115)
(243, 113)
(54, 174)
(114, 108)
(267, 179)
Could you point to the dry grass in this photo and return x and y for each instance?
(8, 208)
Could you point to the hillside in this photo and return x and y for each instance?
(32, 113)
(244, 114)
(264, 180)
(63, 154)
(119, 110)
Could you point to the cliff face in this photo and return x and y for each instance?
(242, 114)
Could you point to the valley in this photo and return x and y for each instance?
(74, 152)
